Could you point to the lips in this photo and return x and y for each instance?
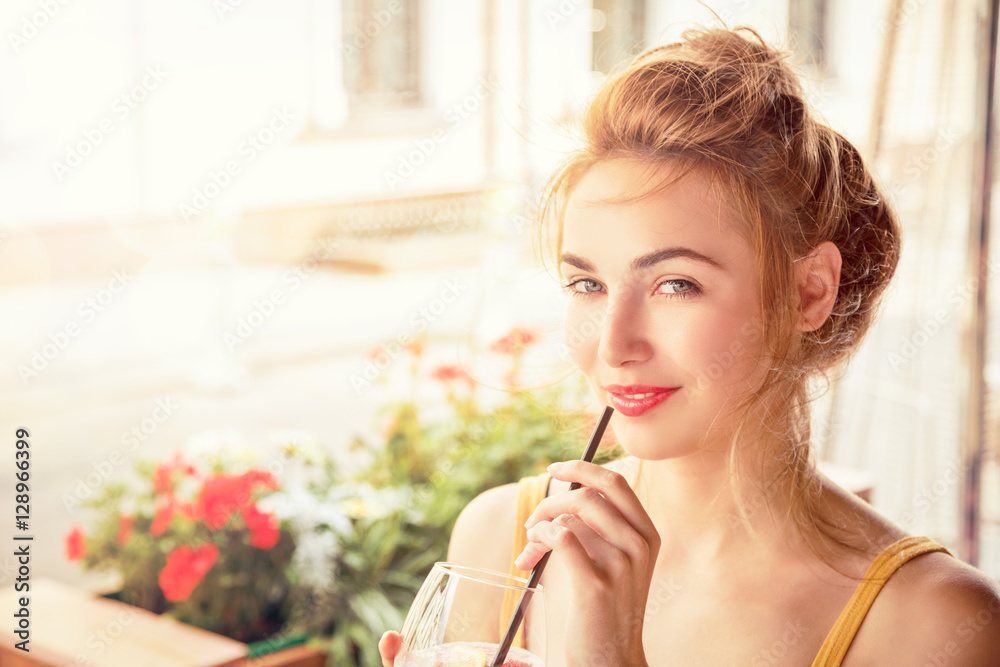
(635, 399)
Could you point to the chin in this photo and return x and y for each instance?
(656, 450)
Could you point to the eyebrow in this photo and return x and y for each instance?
(645, 261)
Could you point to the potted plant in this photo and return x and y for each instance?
(266, 543)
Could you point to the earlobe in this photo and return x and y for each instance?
(818, 281)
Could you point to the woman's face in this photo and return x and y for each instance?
(663, 308)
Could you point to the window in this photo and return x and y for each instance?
(618, 31)
(381, 47)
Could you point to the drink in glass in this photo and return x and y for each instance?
(455, 620)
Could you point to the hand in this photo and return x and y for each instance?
(388, 647)
(608, 544)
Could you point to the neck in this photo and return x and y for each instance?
(692, 504)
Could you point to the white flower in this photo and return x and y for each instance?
(315, 559)
(363, 500)
(223, 446)
(306, 512)
(298, 444)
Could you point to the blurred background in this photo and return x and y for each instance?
(223, 219)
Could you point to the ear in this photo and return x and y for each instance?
(818, 280)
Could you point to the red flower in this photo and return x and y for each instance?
(76, 548)
(515, 341)
(185, 569)
(264, 529)
(163, 476)
(164, 515)
(223, 494)
(448, 374)
(190, 511)
(124, 529)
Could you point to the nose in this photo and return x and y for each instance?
(624, 334)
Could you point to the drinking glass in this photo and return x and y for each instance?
(455, 620)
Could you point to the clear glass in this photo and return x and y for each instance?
(455, 620)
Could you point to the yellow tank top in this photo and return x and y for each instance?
(532, 490)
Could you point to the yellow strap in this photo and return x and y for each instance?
(885, 564)
(530, 492)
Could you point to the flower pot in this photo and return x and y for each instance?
(284, 652)
(292, 656)
(70, 626)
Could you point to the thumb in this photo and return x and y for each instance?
(388, 647)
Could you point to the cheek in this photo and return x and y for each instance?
(724, 353)
(582, 334)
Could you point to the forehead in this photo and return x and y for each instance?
(689, 212)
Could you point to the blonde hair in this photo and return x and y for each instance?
(725, 103)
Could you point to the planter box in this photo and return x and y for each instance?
(70, 628)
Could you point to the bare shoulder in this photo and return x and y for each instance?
(483, 533)
(935, 609)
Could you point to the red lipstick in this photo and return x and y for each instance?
(634, 399)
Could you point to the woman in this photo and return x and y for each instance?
(731, 249)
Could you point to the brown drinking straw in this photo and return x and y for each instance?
(536, 574)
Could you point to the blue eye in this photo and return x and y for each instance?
(677, 288)
(686, 287)
(571, 287)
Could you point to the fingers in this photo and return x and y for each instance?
(545, 535)
(586, 503)
(584, 550)
(388, 647)
(532, 553)
(614, 491)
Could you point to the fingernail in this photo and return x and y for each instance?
(554, 467)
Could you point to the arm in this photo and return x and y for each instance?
(482, 538)
(960, 620)
(936, 610)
